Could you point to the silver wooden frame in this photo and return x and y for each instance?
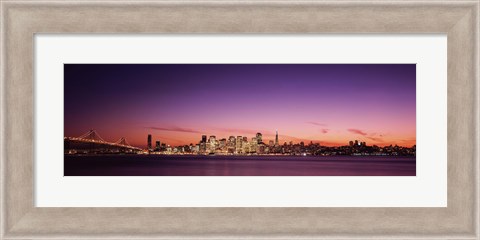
(21, 19)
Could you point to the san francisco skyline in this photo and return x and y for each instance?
(329, 104)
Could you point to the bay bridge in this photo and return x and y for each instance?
(91, 142)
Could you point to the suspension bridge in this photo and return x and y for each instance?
(92, 142)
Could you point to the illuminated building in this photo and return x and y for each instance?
(245, 146)
(149, 142)
(157, 146)
(203, 144)
(222, 144)
(259, 137)
(276, 137)
(254, 144)
(231, 141)
(231, 144)
(212, 142)
(238, 148)
(261, 149)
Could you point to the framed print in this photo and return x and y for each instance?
(225, 119)
(226, 111)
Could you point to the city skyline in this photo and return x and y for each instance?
(243, 145)
(329, 104)
(92, 143)
(151, 140)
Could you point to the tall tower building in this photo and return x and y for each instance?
(276, 138)
(203, 144)
(238, 147)
(254, 145)
(157, 146)
(212, 141)
(231, 141)
(259, 137)
(149, 142)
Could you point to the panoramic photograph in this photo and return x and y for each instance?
(239, 119)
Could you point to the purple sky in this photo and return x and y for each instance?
(177, 103)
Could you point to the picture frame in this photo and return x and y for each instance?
(21, 20)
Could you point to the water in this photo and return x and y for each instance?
(161, 165)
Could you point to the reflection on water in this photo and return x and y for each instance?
(158, 165)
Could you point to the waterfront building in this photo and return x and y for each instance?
(231, 144)
(196, 148)
(231, 141)
(276, 137)
(203, 144)
(238, 147)
(259, 137)
(149, 142)
(245, 146)
(254, 144)
(212, 143)
(261, 148)
(222, 145)
(157, 146)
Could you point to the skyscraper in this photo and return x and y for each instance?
(231, 141)
(222, 144)
(203, 144)
(212, 143)
(238, 148)
(157, 146)
(276, 138)
(231, 144)
(254, 145)
(259, 137)
(149, 142)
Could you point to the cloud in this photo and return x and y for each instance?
(357, 131)
(243, 131)
(317, 124)
(174, 129)
(322, 130)
(375, 139)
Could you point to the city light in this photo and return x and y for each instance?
(239, 145)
